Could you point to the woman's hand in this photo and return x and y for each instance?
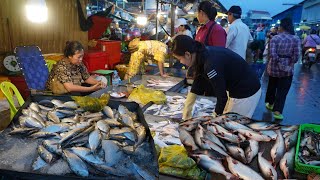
(164, 75)
(96, 86)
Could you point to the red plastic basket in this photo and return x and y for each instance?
(95, 60)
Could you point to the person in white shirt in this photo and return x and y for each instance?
(238, 35)
(183, 28)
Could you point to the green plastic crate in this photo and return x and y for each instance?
(301, 167)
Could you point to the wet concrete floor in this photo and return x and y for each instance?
(303, 100)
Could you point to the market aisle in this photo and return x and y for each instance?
(303, 100)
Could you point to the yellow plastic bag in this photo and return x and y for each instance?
(174, 160)
(143, 95)
(92, 104)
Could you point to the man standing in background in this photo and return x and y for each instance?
(238, 35)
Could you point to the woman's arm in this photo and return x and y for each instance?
(76, 88)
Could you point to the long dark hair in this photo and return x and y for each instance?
(183, 44)
(287, 25)
(72, 47)
(208, 8)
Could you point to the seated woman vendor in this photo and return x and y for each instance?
(140, 50)
(69, 74)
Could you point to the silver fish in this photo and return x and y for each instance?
(42, 134)
(278, 149)
(55, 128)
(109, 170)
(70, 104)
(45, 154)
(226, 135)
(207, 144)
(31, 122)
(198, 135)
(76, 164)
(94, 139)
(145, 174)
(242, 171)
(120, 131)
(23, 131)
(52, 146)
(69, 120)
(57, 102)
(210, 136)
(236, 152)
(122, 109)
(271, 133)
(141, 133)
(232, 125)
(254, 135)
(112, 152)
(287, 162)
(38, 164)
(45, 108)
(36, 116)
(108, 112)
(34, 106)
(187, 139)
(71, 134)
(86, 155)
(291, 140)
(112, 122)
(103, 126)
(52, 116)
(127, 120)
(252, 150)
(266, 168)
(212, 165)
(92, 115)
(25, 112)
(262, 126)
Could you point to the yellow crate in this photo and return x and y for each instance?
(2, 79)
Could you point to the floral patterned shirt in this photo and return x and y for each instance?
(64, 71)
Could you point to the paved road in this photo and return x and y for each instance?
(303, 100)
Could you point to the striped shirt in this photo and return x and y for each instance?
(284, 51)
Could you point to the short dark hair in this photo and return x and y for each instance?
(72, 47)
(208, 8)
(287, 25)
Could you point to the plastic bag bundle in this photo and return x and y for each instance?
(174, 160)
(143, 95)
(90, 103)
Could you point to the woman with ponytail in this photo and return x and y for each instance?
(216, 71)
(210, 33)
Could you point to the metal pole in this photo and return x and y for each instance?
(157, 11)
(173, 13)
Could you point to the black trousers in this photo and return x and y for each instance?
(278, 88)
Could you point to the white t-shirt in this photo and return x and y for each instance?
(238, 37)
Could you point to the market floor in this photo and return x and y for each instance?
(303, 100)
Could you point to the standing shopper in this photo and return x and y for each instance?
(183, 28)
(238, 35)
(220, 71)
(284, 53)
(210, 33)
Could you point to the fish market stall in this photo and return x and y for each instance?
(51, 137)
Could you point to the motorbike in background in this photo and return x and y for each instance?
(310, 57)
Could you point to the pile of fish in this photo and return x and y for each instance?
(237, 140)
(104, 143)
(309, 150)
(175, 104)
(166, 133)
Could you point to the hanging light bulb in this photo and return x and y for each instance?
(142, 20)
(37, 11)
